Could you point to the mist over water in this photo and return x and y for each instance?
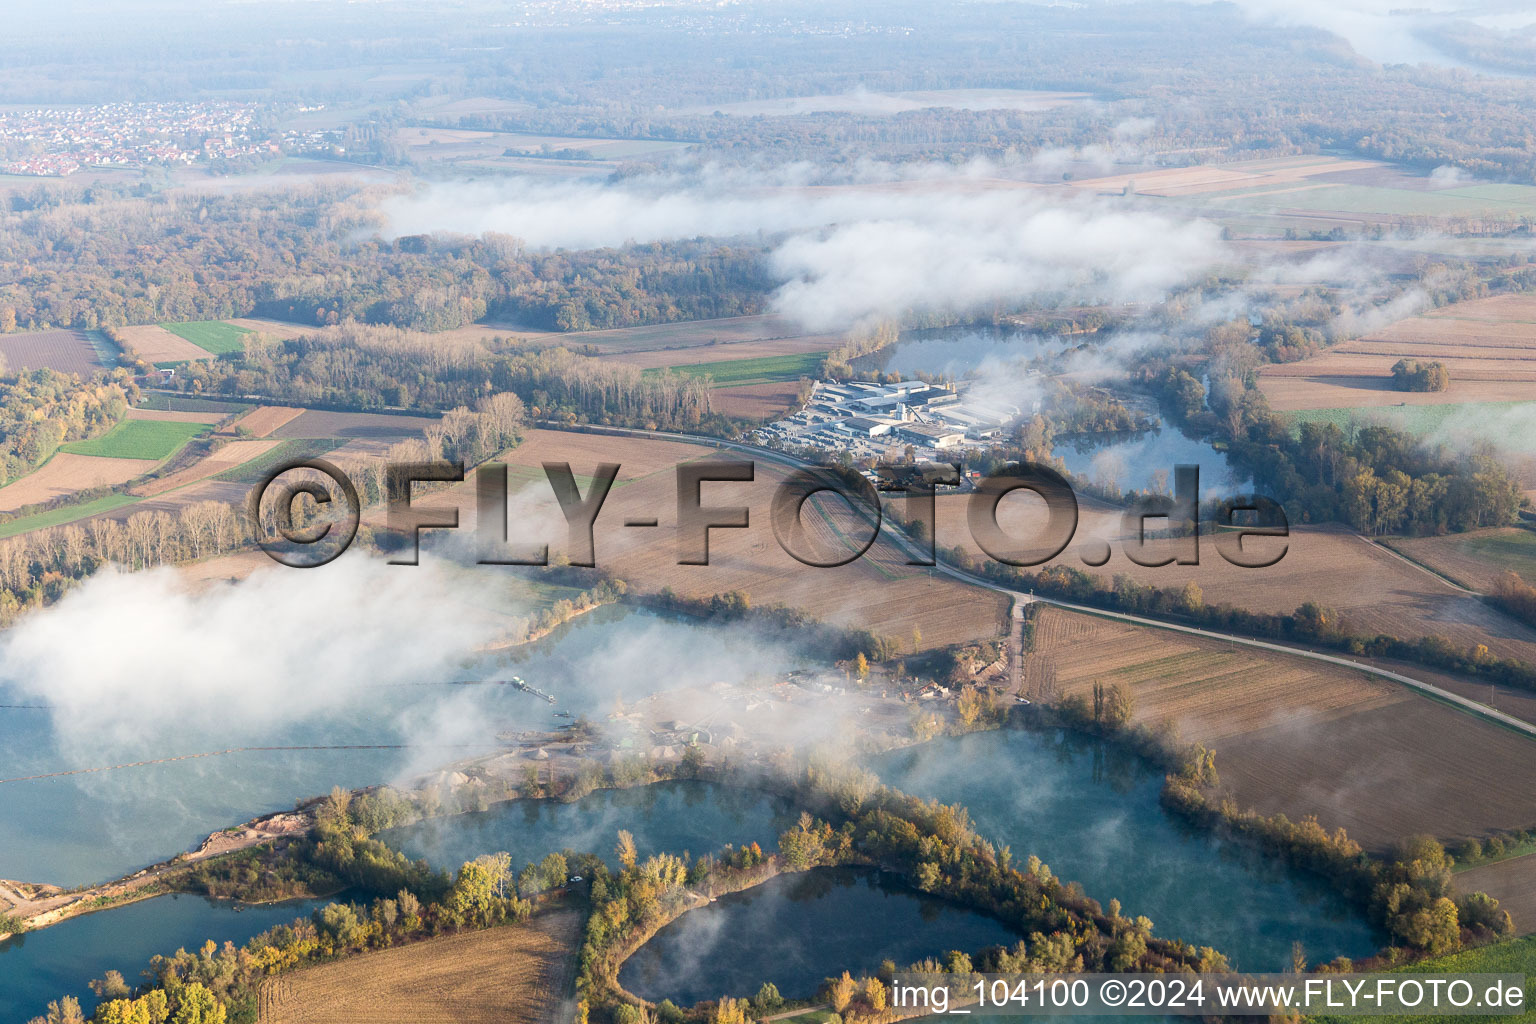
(105, 824)
(959, 352)
(1138, 461)
(1092, 813)
(667, 817)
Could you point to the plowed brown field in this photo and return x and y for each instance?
(264, 419)
(65, 474)
(1374, 590)
(227, 457)
(1297, 738)
(1488, 345)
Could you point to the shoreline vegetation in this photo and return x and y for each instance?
(848, 818)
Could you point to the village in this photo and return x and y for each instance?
(58, 141)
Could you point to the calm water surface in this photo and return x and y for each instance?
(59, 961)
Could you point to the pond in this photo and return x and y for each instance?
(1138, 462)
(83, 828)
(795, 930)
(59, 961)
(1091, 812)
(962, 352)
(668, 817)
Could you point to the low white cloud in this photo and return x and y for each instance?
(137, 661)
(875, 249)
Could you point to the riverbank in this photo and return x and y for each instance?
(55, 904)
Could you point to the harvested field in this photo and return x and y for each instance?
(756, 401)
(66, 473)
(319, 423)
(154, 344)
(690, 334)
(1512, 882)
(1373, 589)
(1251, 177)
(263, 420)
(277, 329)
(226, 458)
(1370, 390)
(811, 344)
(1477, 558)
(516, 974)
(1296, 738)
(1488, 345)
(878, 592)
(176, 416)
(63, 350)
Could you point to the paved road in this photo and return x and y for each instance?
(911, 548)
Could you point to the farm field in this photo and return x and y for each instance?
(176, 416)
(67, 514)
(154, 344)
(688, 334)
(515, 974)
(1477, 558)
(67, 473)
(1510, 422)
(1250, 177)
(64, 350)
(1296, 738)
(435, 145)
(1488, 345)
(256, 463)
(1374, 590)
(1512, 957)
(163, 401)
(322, 423)
(703, 357)
(760, 370)
(230, 456)
(877, 592)
(756, 401)
(213, 336)
(894, 103)
(1513, 882)
(139, 439)
(262, 420)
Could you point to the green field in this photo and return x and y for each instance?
(1513, 550)
(763, 370)
(1418, 420)
(159, 401)
(1514, 957)
(66, 514)
(139, 439)
(1471, 201)
(215, 336)
(289, 451)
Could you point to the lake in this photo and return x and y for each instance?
(78, 829)
(1091, 812)
(795, 930)
(59, 961)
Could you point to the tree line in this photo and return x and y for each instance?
(41, 409)
(313, 255)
